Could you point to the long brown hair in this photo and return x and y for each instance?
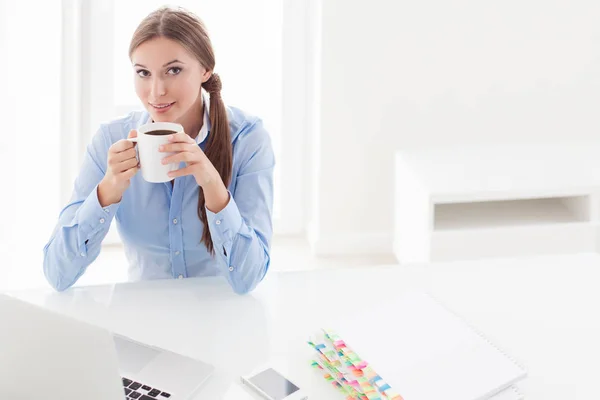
(189, 31)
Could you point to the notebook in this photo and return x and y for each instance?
(357, 379)
(512, 393)
(413, 349)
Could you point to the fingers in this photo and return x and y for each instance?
(123, 155)
(177, 147)
(122, 163)
(181, 137)
(127, 175)
(189, 170)
(132, 134)
(121, 145)
(185, 156)
(125, 165)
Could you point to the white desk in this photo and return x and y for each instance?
(544, 311)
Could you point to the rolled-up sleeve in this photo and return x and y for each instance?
(242, 231)
(82, 224)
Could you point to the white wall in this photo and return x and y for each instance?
(29, 152)
(419, 73)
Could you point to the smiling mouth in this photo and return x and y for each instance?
(162, 106)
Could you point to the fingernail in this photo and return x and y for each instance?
(161, 148)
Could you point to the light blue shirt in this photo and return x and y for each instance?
(158, 223)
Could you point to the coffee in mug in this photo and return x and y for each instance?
(160, 132)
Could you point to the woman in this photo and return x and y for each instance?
(215, 217)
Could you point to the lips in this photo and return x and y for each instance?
(162, 107)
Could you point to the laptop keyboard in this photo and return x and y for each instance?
(139, 391)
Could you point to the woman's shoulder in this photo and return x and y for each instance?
(244, 125)
(251, 140)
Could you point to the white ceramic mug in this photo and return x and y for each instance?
(153, 170)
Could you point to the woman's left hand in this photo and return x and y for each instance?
(187, 150)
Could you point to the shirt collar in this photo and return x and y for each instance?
(206, 124)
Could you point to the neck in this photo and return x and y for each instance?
(192, 121)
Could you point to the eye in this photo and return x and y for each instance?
(174, 71)
(143, 73)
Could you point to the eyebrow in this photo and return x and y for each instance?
(167, 64)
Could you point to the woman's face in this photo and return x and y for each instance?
(167, 79)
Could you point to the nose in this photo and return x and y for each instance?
(159, 88)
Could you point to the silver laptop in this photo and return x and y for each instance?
(45, 355)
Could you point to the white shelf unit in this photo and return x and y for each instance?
(496, 201)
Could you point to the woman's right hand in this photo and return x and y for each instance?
(122, 165)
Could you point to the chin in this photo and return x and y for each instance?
(161, 118)
(167, 117)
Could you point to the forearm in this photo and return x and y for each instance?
(241, 251)
(65, 260)
(76, 241)
(247, 260)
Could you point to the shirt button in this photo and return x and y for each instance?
(82, 254)
(106, 210)
(218, 222)
(177, 253)
(231, 268)
(174, 220)
(180, 276)
(101, 220)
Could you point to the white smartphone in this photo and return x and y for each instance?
(271, 385)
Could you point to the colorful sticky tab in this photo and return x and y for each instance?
(347, 371)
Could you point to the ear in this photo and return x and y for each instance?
(206, 76)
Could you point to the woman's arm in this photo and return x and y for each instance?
(241, 232)
(83, 223)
